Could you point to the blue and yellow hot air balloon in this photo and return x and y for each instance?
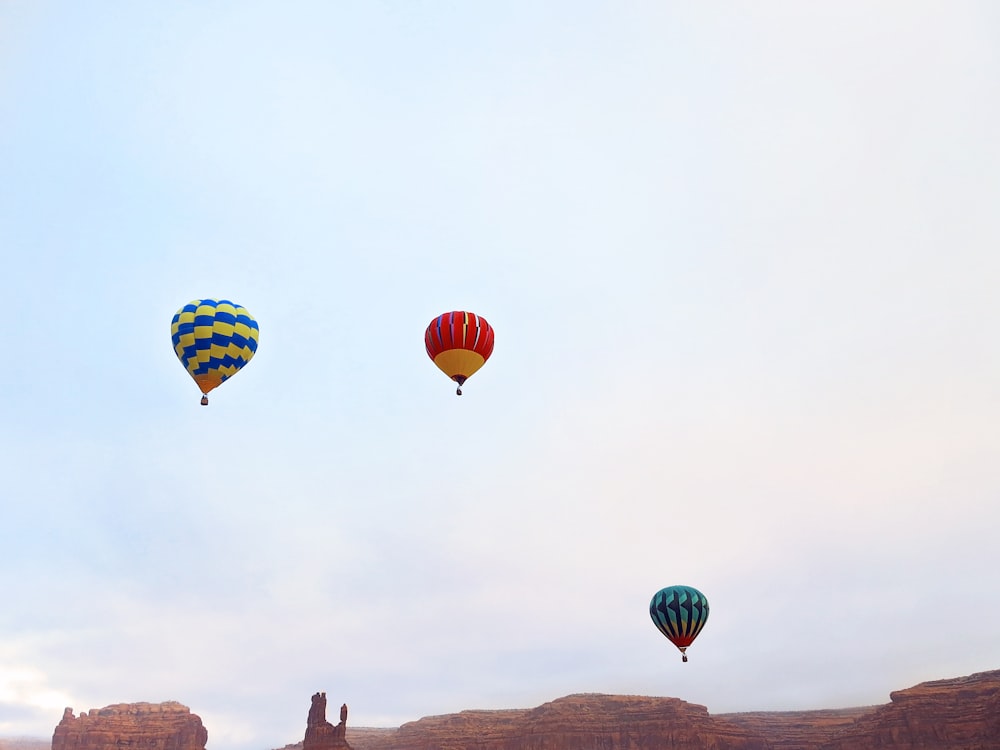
(679, 612)
(459, 343)
(213, 339)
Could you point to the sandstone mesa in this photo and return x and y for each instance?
(131, 726)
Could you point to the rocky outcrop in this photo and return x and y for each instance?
(131, 726)
(956, 714)
(320, 733)
(580, 722)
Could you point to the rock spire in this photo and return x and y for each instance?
(320, 733)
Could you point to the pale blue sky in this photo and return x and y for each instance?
(741, 262)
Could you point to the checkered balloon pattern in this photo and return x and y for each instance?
(213, 339)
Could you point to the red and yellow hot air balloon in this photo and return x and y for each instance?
(459, 343)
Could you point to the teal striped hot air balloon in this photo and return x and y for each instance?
(679, 612)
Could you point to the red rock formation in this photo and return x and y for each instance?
(145, 726)
(321, 734)
(580, 722)
(956, 714)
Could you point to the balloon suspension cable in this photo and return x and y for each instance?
(204, 400)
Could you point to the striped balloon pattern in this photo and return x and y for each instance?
(459, 343)
(679, 612)
(213, 339)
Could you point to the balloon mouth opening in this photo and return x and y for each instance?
(460, 379)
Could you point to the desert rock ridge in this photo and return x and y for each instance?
(960, 713)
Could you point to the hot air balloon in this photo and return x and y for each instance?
(679, 612)
(459, 343)
(213, 339)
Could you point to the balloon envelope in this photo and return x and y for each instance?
(213, 339)
(459, 343)
(679, 612)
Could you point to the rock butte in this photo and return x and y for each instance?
(163, 726)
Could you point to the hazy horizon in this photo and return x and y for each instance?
(11, 741)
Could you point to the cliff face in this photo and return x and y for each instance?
(956, 714)
(580, 722)
(135, 726)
